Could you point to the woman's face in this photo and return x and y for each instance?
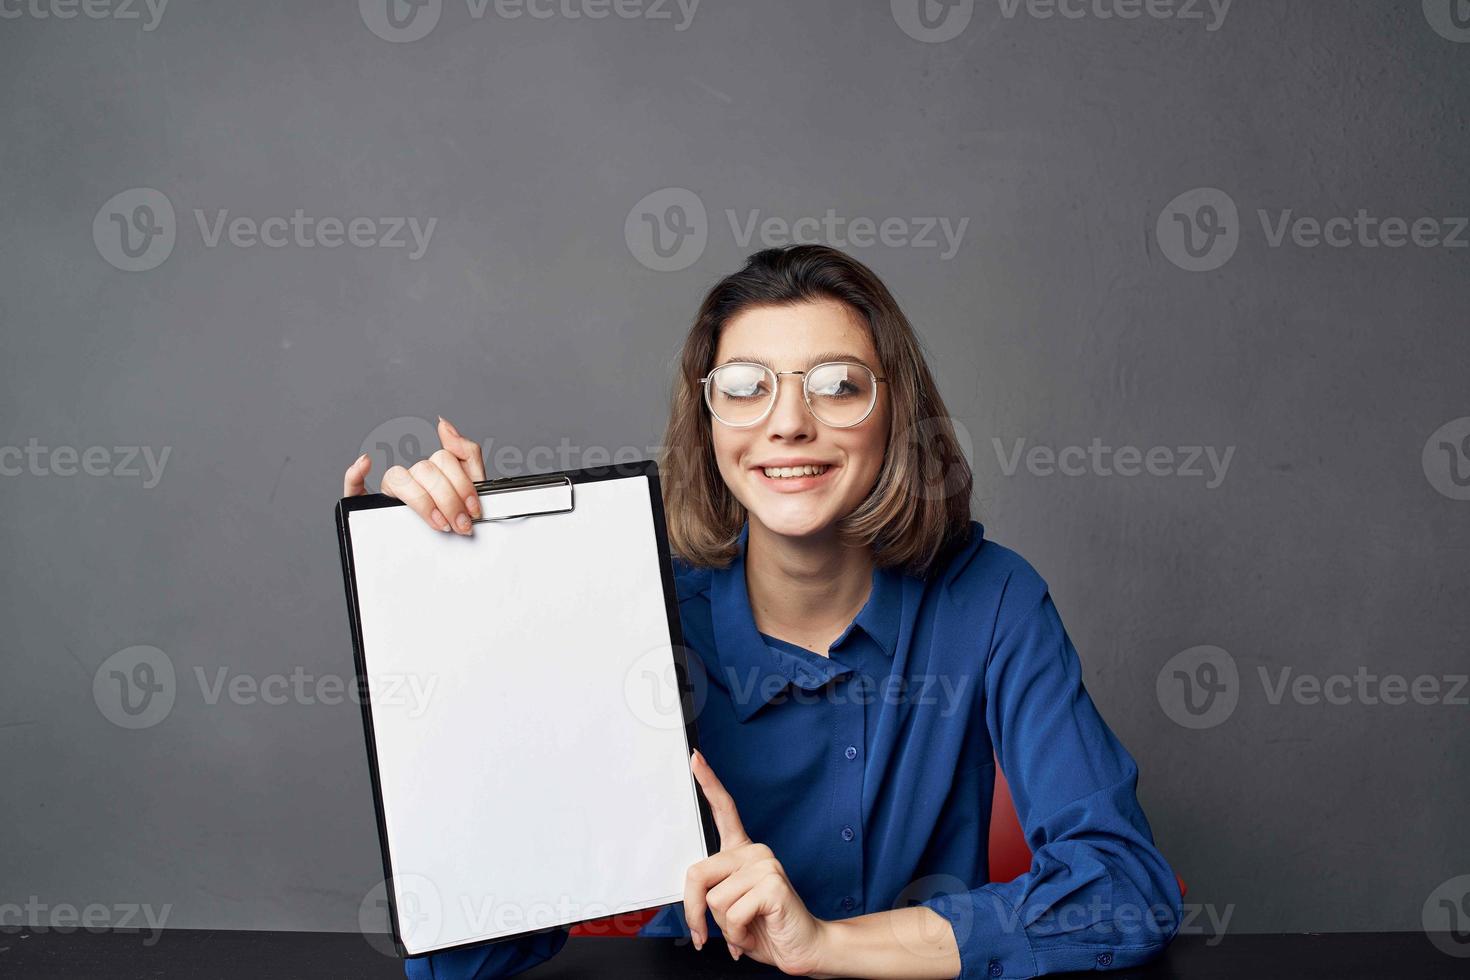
(793, 338)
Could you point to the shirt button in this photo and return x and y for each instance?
(847, 833)
(851, 752)
(995, 968)
(848, 904)
(1104, 959)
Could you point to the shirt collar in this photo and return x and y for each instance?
(753, 670)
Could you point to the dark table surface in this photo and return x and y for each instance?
(227, 955)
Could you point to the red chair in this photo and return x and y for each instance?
(1009, 858)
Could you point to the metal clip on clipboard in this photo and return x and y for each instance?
(523, 496)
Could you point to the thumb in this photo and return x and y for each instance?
(467, 450)
(354, 481)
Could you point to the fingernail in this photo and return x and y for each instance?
(472, 503)
(439, 520)
(359, 459)
(462, 521)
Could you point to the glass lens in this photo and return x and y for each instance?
(840, 394)
(739, 393)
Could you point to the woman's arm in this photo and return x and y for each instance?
(1099, 895)
(901, 944)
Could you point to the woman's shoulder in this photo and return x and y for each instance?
(982, 571)
(690, 581)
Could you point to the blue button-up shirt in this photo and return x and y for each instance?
(869, 771)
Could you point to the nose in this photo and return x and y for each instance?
(789, 417)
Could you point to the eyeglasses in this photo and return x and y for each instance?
(840, 394)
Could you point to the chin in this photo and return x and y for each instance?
(793, 521)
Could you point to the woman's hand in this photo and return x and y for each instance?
(747, 890)
(439, 489)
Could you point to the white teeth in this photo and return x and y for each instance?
(777, 472)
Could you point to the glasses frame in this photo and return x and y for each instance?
(806, 395)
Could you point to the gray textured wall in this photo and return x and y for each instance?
(1066, 156)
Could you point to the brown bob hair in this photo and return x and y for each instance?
(918, 509)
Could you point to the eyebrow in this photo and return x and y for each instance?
(822, 358)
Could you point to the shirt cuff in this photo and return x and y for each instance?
(990, 935)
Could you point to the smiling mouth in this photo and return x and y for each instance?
(789, 472)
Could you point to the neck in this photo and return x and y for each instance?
(805, 590)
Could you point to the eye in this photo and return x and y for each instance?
(740, 381)
(835, 389)
(742, 390)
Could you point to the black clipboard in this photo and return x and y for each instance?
(513, 499)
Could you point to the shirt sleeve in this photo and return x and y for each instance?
(1098, 895)
(485, 962)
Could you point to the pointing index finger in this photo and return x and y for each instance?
(721, 804)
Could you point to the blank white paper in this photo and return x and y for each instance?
(531, 751)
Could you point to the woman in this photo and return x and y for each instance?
(868, 655)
